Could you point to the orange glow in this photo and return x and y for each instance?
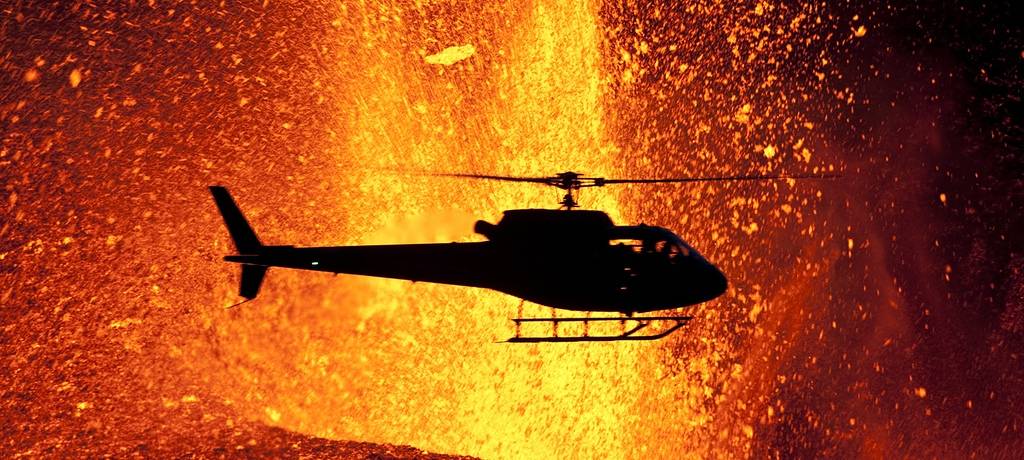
(417, 364)
(320, 115)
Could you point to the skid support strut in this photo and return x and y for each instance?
(628, 334)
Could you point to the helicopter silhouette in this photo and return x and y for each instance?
(566, 259)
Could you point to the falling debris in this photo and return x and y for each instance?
(75, 78)
(743, 116)
(451, 55)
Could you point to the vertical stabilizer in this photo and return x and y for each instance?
(245, 240)
(242, 234)
(252, 278)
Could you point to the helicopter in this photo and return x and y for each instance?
(566, 259)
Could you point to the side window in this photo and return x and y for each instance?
(629, 245)
(676, 251)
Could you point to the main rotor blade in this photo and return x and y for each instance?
(540, 180)
(719, 178)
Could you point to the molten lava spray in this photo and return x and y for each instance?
(876, 314)
(417, 364)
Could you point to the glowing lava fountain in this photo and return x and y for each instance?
(844, 314)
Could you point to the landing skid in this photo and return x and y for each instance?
(626, 335)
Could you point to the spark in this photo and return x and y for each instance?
(75, 77)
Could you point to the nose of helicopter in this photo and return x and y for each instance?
(711, 282)
(716, 282)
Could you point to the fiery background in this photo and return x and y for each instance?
(878, 315)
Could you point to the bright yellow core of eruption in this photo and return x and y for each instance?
(402, 363)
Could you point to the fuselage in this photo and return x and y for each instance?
(574, 260)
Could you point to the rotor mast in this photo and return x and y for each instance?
(571, 182)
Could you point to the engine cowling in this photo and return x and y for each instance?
(487, 229)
